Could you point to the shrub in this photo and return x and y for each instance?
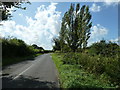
(70, 58)
(71, 76)
(15, 48)
(105, 49)
(95, 64)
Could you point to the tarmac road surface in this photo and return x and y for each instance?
(38, 73)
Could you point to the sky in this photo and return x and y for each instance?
(41, 21)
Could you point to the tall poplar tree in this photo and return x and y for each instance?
(75, 28)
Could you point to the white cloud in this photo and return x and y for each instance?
(97, 33)
(40, 29)
(110, 2)
(95, 8)
(106, 3)
(116, 40)
(20, 14)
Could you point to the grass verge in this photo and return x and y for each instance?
(72, 76)
(13, 60)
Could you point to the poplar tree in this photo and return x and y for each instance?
(75, 28)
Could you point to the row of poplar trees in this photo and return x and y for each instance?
(75, 29)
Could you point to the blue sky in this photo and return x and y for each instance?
(42, 21)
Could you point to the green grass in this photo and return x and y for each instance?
(13, 60)
(72, 76)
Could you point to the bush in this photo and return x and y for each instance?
(15, 48)
(105, 49)
(95, 64)
(70, 58)
(71, 76)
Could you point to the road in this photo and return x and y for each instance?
(38, 73)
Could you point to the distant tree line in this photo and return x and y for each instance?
(41, 49)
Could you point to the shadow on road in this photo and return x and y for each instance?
(26, 82)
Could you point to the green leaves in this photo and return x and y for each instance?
(72, 76)
(13, 47)
(75, 29)
(57, 44)
(105, 49)
(6, 12)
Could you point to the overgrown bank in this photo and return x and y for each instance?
(86, 73)
(13, 60)
(15, 50)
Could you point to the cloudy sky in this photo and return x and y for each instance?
(42, 21)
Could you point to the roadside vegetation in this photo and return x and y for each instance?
(76, 76)
(80, 66)
(89, 69)
(15, 50)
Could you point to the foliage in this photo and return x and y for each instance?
(15, 50)
(15, 47)
(72, 76)
(101, 58)
(12, 60)
(37, 47)
(57, 44)
(75, 29)
(105, 49)
(5, 6)
(95, 64)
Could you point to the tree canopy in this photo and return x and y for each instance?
(5, 8)
(75, 27)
